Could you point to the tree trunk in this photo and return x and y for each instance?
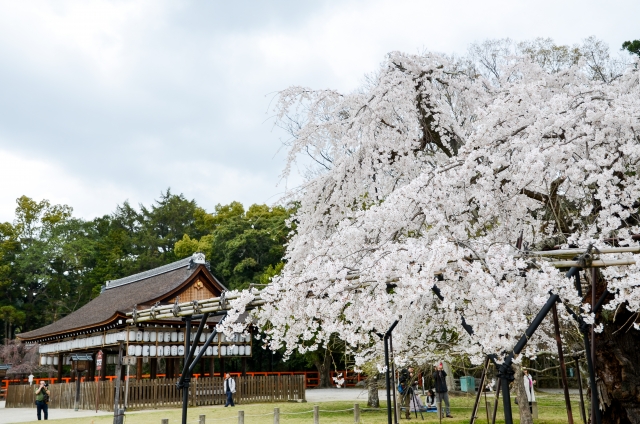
(617, 364)
(372, 388)
(323, 364)
(521, 396)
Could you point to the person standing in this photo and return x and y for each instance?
(42, 397)
(440, 377)
(528, 388)
(229, 389)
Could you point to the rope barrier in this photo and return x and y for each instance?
(337, 410)
(261, 415)
(296, 413)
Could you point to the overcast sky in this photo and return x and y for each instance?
(102, 102)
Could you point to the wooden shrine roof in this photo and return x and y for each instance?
(116, 300)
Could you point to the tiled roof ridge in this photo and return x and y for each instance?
(148, 274)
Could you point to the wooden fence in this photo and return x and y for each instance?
(162, 392)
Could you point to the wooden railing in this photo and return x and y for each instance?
(162, 392)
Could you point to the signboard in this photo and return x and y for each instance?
(99, 361)
(129, 360)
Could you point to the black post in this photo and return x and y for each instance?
(393, 376)
(386, 362)
(185, 378)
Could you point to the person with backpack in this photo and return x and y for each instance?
(440, 377)
(229, 389)
(42, 400)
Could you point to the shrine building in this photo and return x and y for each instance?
(101, 324)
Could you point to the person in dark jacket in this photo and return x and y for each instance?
(42, 392)
(442, 393)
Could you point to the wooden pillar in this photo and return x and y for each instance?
(153, 368)
(244, 366)
(169, 367)
(222, 367)
(60, 359)
(139, 369)
(73, 374)
(103, 370)
(212, 366)
(91, 372)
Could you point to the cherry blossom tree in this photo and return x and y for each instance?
(430, 173)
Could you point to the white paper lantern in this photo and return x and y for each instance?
(131, 350)
(160, 336)
(139, 336)
(167, 350)
(209, 351)
(174, 350)
(223, 351)
(247, 350)
(152, 350)
(43, 360)
(241, 351)
(138, 350)
(145, 350)
(180, 336)
(167, 336)
(215, 338)
(236, 349)
(173, 336)
(145, 336)
(215, 350)
(152, 336)
(55, 360)
(132, 335)
(181, 350)
(203, 336)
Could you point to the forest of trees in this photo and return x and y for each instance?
(52, 263)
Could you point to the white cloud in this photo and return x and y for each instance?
(129, 98)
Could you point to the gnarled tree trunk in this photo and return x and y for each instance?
(373, 400)
(617, 363)
(523, 402)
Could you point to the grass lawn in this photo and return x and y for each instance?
(551, 411)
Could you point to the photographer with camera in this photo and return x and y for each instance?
(405, 390)
(42, 399)
(440, 375)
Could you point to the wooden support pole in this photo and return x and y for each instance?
(139, 369)
(222, 367)
(117, 418)
(212, 367)
(495, 407)
(563, 369)
(244, 367)
(581, 406)
(316, 414)
(164, 421)
(201, 419)
(356, 413)
(474, 412)
(153, 368)
(169, 367)
(276, 415)
(240, 417)
(103, 370)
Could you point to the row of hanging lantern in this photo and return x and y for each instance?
(152, 336)
(178, 350)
